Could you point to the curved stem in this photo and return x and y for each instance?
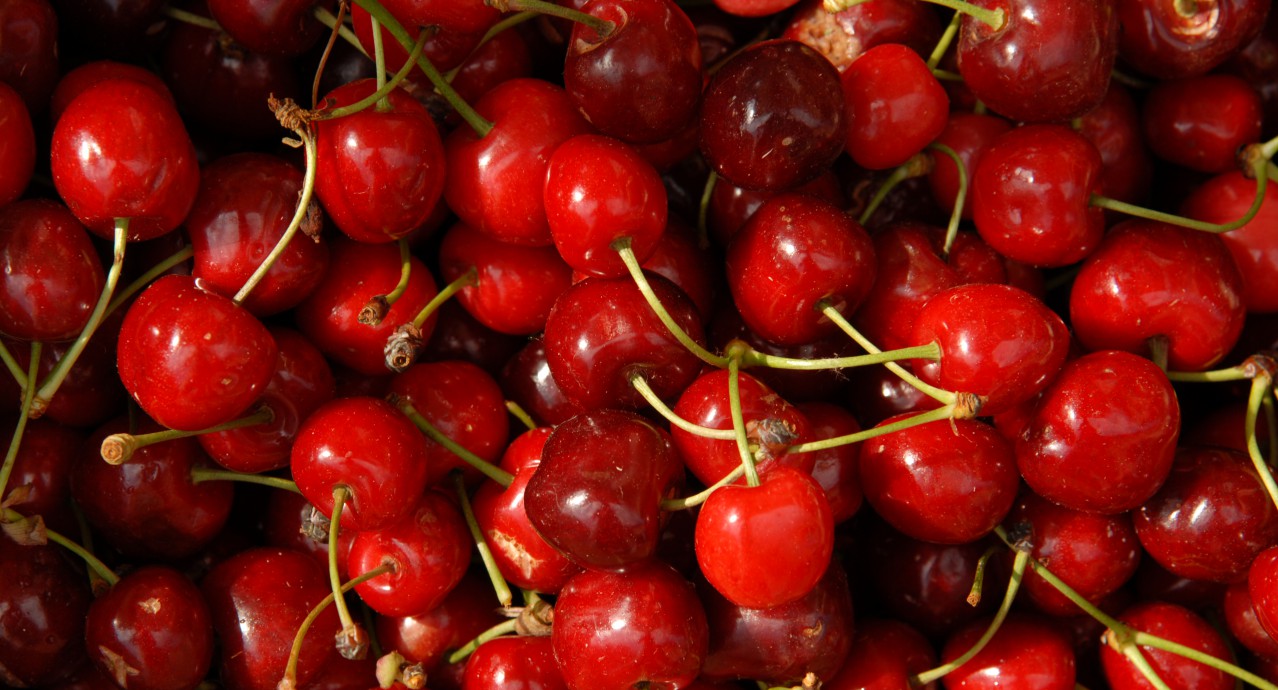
(521, 414)
(942, 396)
(671, 504)
(340, 494)
(191, 18)
(123, 294)
(960, 198)
(502, 628)
(752, 357)
(209, 474)
(295, 652)
(602, 27)
(942, 45)
(89, 559)
(738, 422)
(1260, 387)
(622, 247)
(489, 470)
(918, 165)
(940, 413)
(1262, 180)
(641, 385)
(1144, 639)
(465, 280)
(303, 210)
(504, 596)
(117, 449)
(384, 87)
(28, 399)
(703, 210)
(377, 307)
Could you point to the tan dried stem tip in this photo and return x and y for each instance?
(403, 347)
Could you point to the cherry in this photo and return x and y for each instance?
(598, 191)
(77, 80)
(446, 49)
(1201, 122)
(1114, 127)
(1149, 279)
(1261, 576)
(450, 16)
(646, 622)
(527, 380)
(890, 89)
(1180, 625)
(151, 631)
(772, 117)
(120, 151)
(1026, 652)
(91, 393)
(641, 83)
(17, 154)
(275, 28)
(424, 639)
(845, 35)
(52, 272)
(779, 645)
(1169, 41)
(681, 259)
(948, 481)
(29, 61)
(967, 134)
(885, 653)
(836, 469)
(292, 523)
(1225, 198)
(1031, 190)
(380, 171)
(876, 393)
(596, 496)
(43, 465)
(996, 341)
(526, 663)
(458, 335)
(505, 56)
(430, 550)
(1045, 61)
(766, 545)
(495, 181)
(796, 255)
(731, 205)
(1103, 435)
(1209, 492)
(192, 358)
(43, 601)
(245, 203)
(150, 507)
(257, 599)
(1242, 620)
(367, 446)
(594, 351)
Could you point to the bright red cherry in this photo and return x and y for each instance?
(967, 134)
(1241, 618)
(525, 663)
(1180, 625)
(52, 273)
(895, 106)
(1027, 652)
(885, 654)
(1262, 578)
(1254, 246)
(427, 638)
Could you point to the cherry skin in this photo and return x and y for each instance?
(517, 663)
(1049, 60)
(885, 653)
(599, 190)
(731, 205)
(646, 621)
(368, 446)
(192, 358)
(845, 35)
(596, 496)
(506, 56)
(773, 116)
(1261, 577)
(836, 469)
(152, 631)
(1170, 41)
(245, 203)
(1147, 280)
(1030, 195)
(949, 482)
(1114, 127)
(445, 49)
(890, 89)
(1201, 122)
(43, 602)
(77, 80)
(43, 465)
(527, 380)
(1180, 625)
(795, 385)
(120, 150)
(17, 153)
(29, 62)
(1242, 621)
(1102, 437)
(1209, 492)
(680, 258)
(379, 172)
(91, 393)
(795, 253)
(642, 82)
(458, 336)
(744, 532)
(1225, 198)
(278, 28)
(426, 638)
(996, 341)
(1026, 652)
(967, 134)
(52, 272)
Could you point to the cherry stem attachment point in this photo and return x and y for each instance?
(117, 449)
(500, 587)
(488, 469)
(28, 399)
(376, 309)
(942, 396)
(290, 670)
(200, 475)
(640, 384)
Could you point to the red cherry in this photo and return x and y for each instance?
(43, 602)
(1261, 578)
(731, 205)
(527, 663)
(77, 80)
(1201, 122)
(293, 523)
(527, 380)
(1114, 127)
(895, 106)
(836, 469)
(192, 358)
(120, 150)
(744, 532)
(273, 27)
(1242, 621)
(845, 35)
(1168, 41)
(53, 275)
(91, 393)
(885, 654)
(1226, 198)
(445, 49)
(43, 464)
(426, 639)
(1026, 652)
(17, 152)
(1180, 625)
(29, 62)
(967, 134)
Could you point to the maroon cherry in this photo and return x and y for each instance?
(192, 358)
(889, 89)
(43, 602)
(43, 465)
(1180, 625)
(152, 631)
(17, 154)
(29, 61)
(836, 469)
(527, 380)
(1225, 198)
(1168, 40)
(292, 523)
(525, 663)
(1201, 122)
(53, 275)
(91, 393)
(1114, 127)
(1027, 652)
(731, 205)
(646, 622)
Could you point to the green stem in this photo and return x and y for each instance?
(960, 198)
(917, 166)
(738, 421)
(340, 494)
(11, 364)
(602, 27)
(377, 307)
(940, 413)
(507, 22)
(1144, 639)
(379, 60)
(641, 385)
(299, 215)
(671, 504)
(117, 449)
(92, 561)
(384, 87)
(488, 469)
(1238, 373)
(521, 414)
(191, 18)
(502, 628)
(942, 396)
(938, 51)
(295, 652)
(752, 357)
(209, 474)
(465, 280)
(504, 596)
(1260, 387)
(28, 399)
(622, 246)
(122, 295)
(1262, 180)
(703, 210)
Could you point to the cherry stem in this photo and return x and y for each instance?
(303, 210)
(334, 32)
(947, 37)
(56, 537)
(335, 23)
(191, 18)
(918, 165)
(122, 295)
(97, 583)
(28, 399)
(1145, 639)
(960, 198)
(340, 494)
(1260, 387)
(938, 414)
(200, 475)
(978, 579)
(377, 99)
(295, 653)
(602, 27)
(506, 23)
(488, 469)
(117, 449)
(502, 628)
(12, 365)
(672, 504)
(465, 280)
(1013, 585)
(942, 396)
(60, 371)
(504, 595)
(379, 61)
(622, 247)
(703, 210)
(376, 309)
(1271, 423)
(467, 113)
(752, 357)
(738, 418)
(640, 385)
(521, 414)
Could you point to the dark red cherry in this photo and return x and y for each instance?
(272, 27)
(596, 496)
(773, 116)
(1048, 61)
(527, 380)
(1027, 652)
(1242, 621)
(526, 663)
(152, 631)
(445, 49)
(459, 336)
(17, 154)
(292, 523)
(895, 106)
(258, 598)
(369, 447)
(1201, 122)
(646, 622)
(43, 465)
(120, 150)
(996, 341)
(885, 653)
(1168, 40)
(844, 35)
(1262, 576)
(91, 393)
(967, 134)
(949, 482)
(1102, 437)
(52, 273)
(838, 469)
(1149, 280)
(1114, 127)
(1180, 625)
(642, 82)
(1209, 493)
(731, 205)
(192, 358)
(29, 59)
(380, 172)
(43, 602)
(246, 201)
(506, 56)
(796, 253)
(1226, 198)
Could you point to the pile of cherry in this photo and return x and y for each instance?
(629, 344)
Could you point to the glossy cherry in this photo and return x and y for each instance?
(43, 602)
(1201, 122)
(43, 465)
(1224, 199)
(845, 35)
(426, 638)
(522, 663)
(1027, 652)
(53, 275)
(836, 469)
(1170, 41)
(1261, 576)
(1114, 127)
(527, 380)
(1180, 625)
(292, 523)
(1242, 620)
(895, 106)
